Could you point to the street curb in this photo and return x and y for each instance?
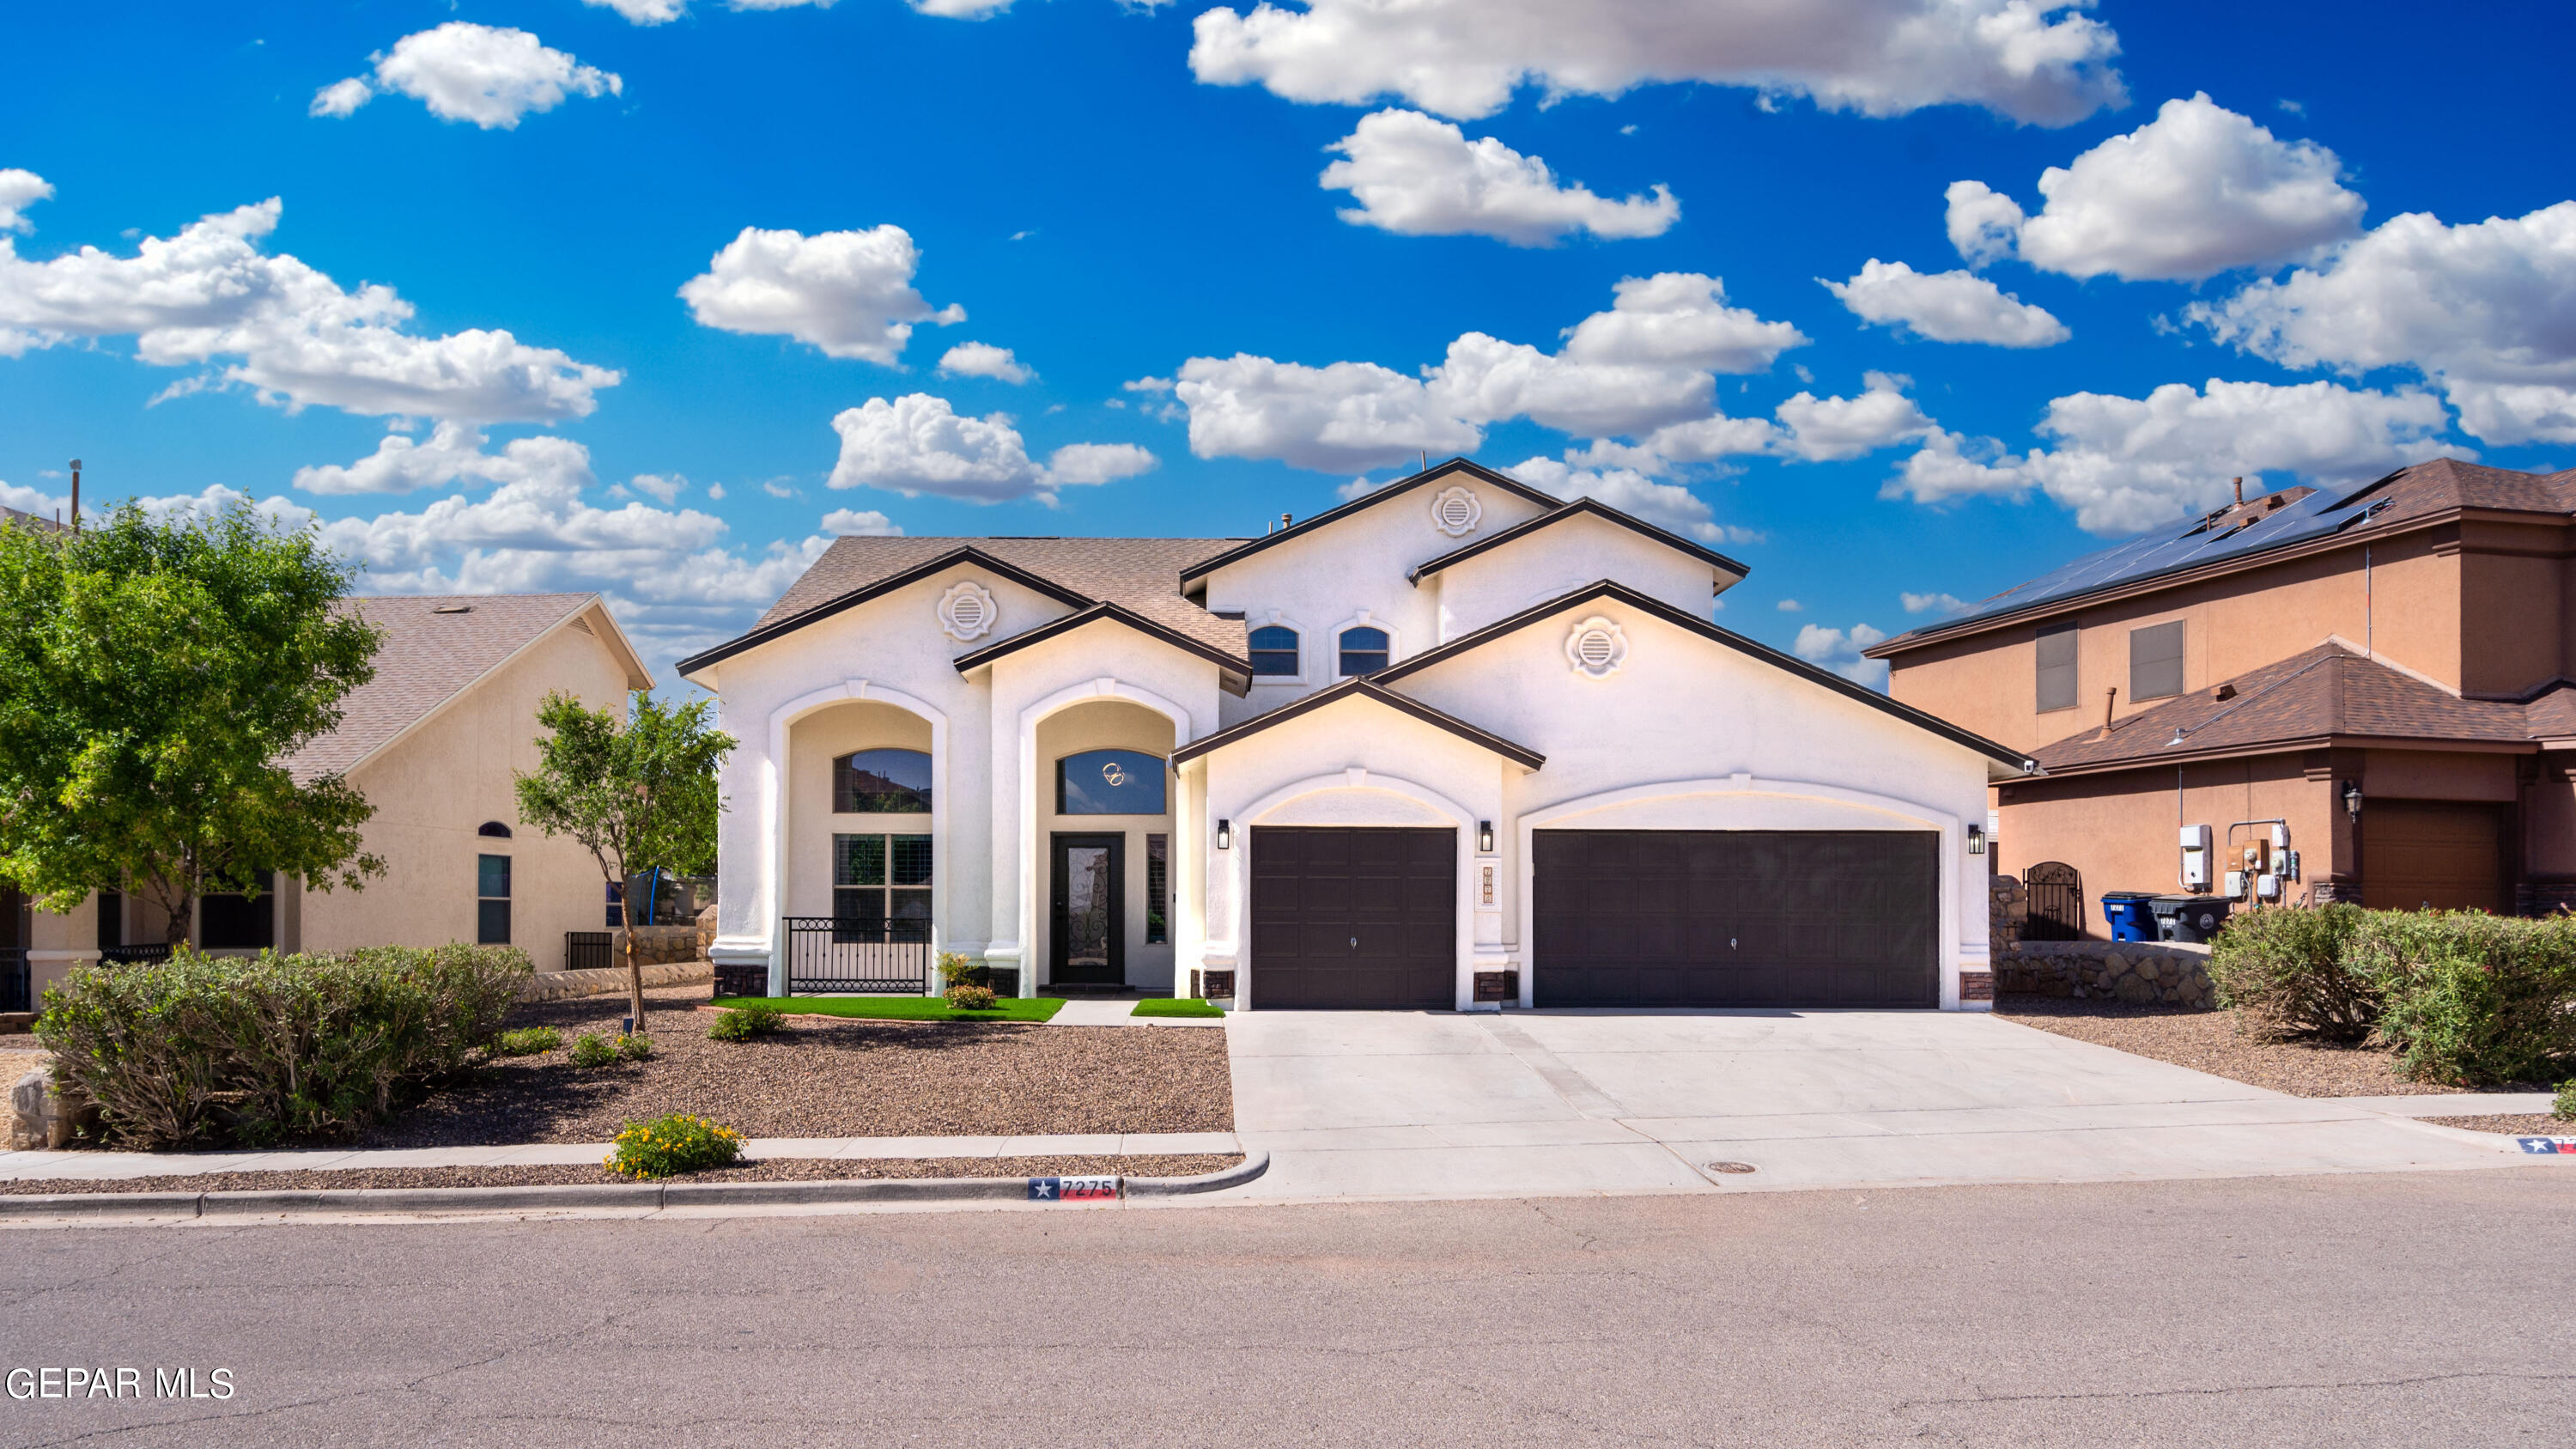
(645, 1196)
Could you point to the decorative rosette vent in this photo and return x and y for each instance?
(1597, 648)
(967, 611)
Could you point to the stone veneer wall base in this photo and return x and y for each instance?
(2140, 973)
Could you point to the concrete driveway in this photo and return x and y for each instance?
(1395, 1104)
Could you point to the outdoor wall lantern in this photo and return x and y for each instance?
(2352, 799)
(1976, 840)
(1225, 835)
(1484, 837)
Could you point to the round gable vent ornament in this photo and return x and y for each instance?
(1456, 511)
(1597, 648)
(967, 611)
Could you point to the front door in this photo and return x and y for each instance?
(1088, 943)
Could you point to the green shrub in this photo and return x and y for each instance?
(526, 1041)
(2564, 1109)
(590, 1049)
(2287, 971)
(970, 998)
(2473, 999)
(956, 968)
(742, 1023)
(635, 1047)
(673, 1143)
(200, 1048)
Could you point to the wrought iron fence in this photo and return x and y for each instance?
(2054, 892)
(134, 955)
(15, 994)
(825, 954)
(588, 948)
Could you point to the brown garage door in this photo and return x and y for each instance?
(1354, 918)
(2416, 853)
(1736, 918)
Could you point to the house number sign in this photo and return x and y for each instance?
(1073, 1189)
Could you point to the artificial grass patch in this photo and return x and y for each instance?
(1177, 1006)
(903, 1008)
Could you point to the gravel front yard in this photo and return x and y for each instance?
(2208, 1041)
(832, 1077)
(2536, 1124)
(784, 1169)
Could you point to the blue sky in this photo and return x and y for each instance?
(1127, 199)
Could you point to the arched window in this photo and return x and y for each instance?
(1363, 651)
(881, 782)
(493, 828)
(1109, 782)
(1274, 651)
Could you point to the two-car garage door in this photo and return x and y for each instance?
(1752, 918)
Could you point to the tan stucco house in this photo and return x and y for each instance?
(432, 741)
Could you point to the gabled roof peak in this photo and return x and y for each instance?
(1433, 474)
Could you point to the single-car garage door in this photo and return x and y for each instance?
(2433, 854)
(1354, 917)
(1736, 918)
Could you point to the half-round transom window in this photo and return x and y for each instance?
(1364, 651)
(881, 782)
(493, 828)
(1109, 782)
(1274, 650)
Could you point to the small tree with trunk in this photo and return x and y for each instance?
(636, 794)
(155, 677)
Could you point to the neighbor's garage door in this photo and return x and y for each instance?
(2419, 853)
(1354, 918)
(1736, 918)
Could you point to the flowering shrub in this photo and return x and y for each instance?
(970, 998)
(670, 1144)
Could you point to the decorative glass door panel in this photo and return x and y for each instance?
(1088, 939)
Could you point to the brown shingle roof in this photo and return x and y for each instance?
(426, 658)
(1142, 574)
(2326, 691)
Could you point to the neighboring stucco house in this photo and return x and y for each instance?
(432, 742)
(2383, 671)
(1457, 742)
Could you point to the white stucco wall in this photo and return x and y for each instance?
(1559, 559)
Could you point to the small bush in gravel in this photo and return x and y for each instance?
(2288, 971)
(742, 1023)
(2471, 998)
(196, 1047)
(635, 1047)
(2564, 1109)
(970, 998)
(675, 1143)
(590, 1049)
(526, 1041)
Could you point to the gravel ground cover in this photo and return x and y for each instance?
(2208, 1041)
(2534, 1124)
(904, 1008)
(830, 1077)
(19, 1055)
(783, 1169)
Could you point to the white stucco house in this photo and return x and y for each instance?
(1455, 744)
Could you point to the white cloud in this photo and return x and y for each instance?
(982, 359)
(716, 491)
(454, 451)
(1933, 603)
(1418, 176)
(29, 500)
(19, 190)
(1669, 505)
(1839, 651)
(1834, 429)
(2125, 464)
(2197, 191)
(2487, 310)
(1790, 606)
(2032, 60)
(849, 293)
(490, 75)
(664, 490)
(917, 444)
(644, 12)
(1644, 364)
(948, 9)
(1955, 306)
(1148, 384)
(290, 332)
(845, 522)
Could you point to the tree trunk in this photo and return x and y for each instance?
(182, 910)
(634, 968)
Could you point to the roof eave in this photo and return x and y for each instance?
(863, 593)
(1585, 507)
(1233, 674)
(1201, 570)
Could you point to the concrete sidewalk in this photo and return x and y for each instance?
(1393, 1105)
(1119, 1011)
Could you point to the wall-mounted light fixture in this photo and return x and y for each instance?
(1976, 840)
(1484, 837)
(1225, 835)
(2352, 799)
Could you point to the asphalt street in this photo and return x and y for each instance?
(2421, 1309)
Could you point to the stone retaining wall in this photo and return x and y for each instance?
(2168, 973)
(2007, 910)
(597, 980)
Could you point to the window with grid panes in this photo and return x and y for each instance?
(877, 879)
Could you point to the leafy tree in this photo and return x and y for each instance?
(636, 795)
(155, 677)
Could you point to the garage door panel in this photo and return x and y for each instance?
(1735, 918)
(1355, 917)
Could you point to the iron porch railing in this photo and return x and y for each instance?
(588, 949)
(134, 955)
(887, 957)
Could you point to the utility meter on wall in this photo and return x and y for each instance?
(2195, 857)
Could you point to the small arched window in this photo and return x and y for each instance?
(1109, 782)
(1364, 651)
(1274, 651)
(493, 828)
(881, 782)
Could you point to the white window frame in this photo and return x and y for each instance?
(1364, 619)
(1305, 642)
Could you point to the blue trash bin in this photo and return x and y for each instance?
(2130, 915)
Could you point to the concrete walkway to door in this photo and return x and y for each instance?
(1434, 1105)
